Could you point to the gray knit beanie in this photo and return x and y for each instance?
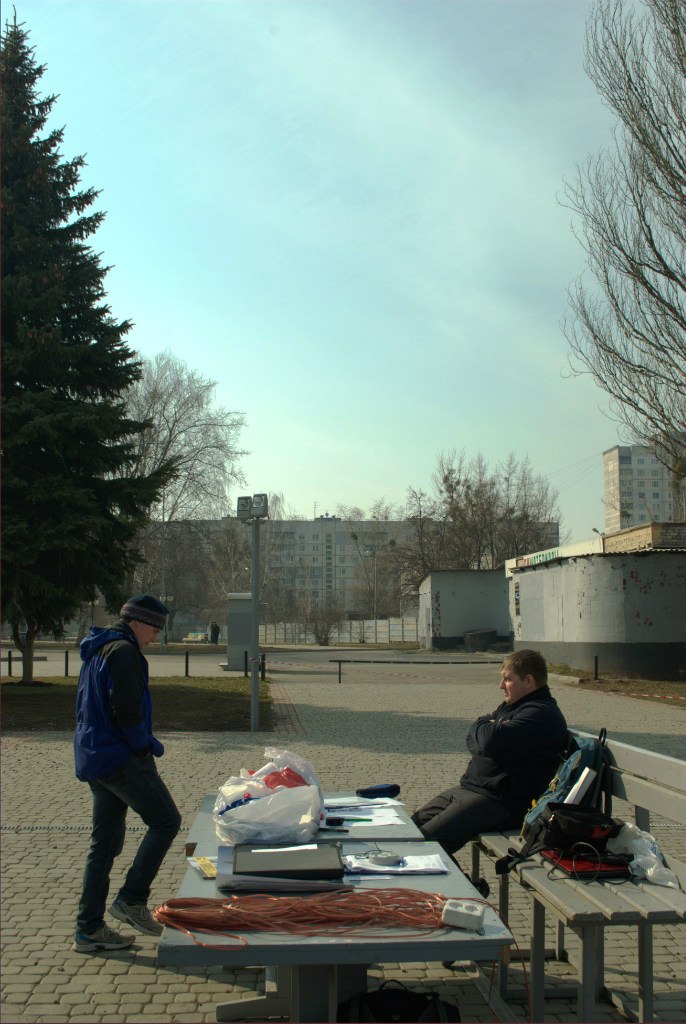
(147, 609)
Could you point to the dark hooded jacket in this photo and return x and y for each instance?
(113, 703)
(516, 750)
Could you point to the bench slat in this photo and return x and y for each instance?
(643, 901)
(655, 797)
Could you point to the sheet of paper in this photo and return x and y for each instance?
(346, 803)
(429, 864)
(283, 849)
(383, 816)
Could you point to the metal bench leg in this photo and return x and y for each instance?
(504, 912)
(537, 961)
(476, 861)
(560, 951)
(645, 972)
(591, 936)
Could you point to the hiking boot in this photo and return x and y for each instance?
(137, 915)
(103, 938)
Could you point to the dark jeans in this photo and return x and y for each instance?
(457, 815)
(136, 785)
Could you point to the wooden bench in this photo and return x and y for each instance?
(654, 784)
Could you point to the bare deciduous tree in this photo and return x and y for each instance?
(320, 617)
(477, 518)
(186, 427)
(628, 330)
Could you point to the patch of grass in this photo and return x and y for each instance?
(181, 704)
(664, 691)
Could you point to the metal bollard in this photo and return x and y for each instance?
(9, 662)
(595, 667)
(187, 655)
(66, 664)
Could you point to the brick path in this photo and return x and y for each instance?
(380, 724)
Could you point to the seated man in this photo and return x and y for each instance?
(515, 753)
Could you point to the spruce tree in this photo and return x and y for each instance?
(71, 512)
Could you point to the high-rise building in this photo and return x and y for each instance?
(333, 558)
(638, 488)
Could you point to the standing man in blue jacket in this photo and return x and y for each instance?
(515, 753)
(115, 753)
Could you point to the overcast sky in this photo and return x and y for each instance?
(347, 213)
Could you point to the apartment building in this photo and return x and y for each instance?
(638, 488)
(329, 558)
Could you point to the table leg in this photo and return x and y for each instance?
(350, 979)
(311, 996)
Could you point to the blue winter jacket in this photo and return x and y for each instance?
(113, 703)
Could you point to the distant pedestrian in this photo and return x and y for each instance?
(214, 633)
(115, 753)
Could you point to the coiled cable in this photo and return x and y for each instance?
(330, 913)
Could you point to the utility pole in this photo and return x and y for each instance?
(254, 511)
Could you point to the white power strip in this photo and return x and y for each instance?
(463, 914)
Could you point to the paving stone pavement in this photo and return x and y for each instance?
(405, 724)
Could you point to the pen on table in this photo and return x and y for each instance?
(341, 820)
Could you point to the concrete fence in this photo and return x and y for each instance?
(370, 631)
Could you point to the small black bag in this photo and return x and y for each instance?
(396, 1004)
(566, 824)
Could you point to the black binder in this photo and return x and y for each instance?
(316, 861)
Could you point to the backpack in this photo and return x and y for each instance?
(396, 1004)
(541, 826)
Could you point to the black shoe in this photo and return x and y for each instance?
(482, 887)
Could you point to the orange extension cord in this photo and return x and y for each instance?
(330, 913)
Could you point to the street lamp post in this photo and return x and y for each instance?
(370, 549)
(254, 510)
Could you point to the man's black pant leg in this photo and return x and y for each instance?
(457, 815)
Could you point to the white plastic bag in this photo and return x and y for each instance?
(284, 816)
(283, 768)
(647, 860)
(245, 810)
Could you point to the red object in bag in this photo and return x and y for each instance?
(286, 777)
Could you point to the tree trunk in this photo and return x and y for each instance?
(26, 648)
